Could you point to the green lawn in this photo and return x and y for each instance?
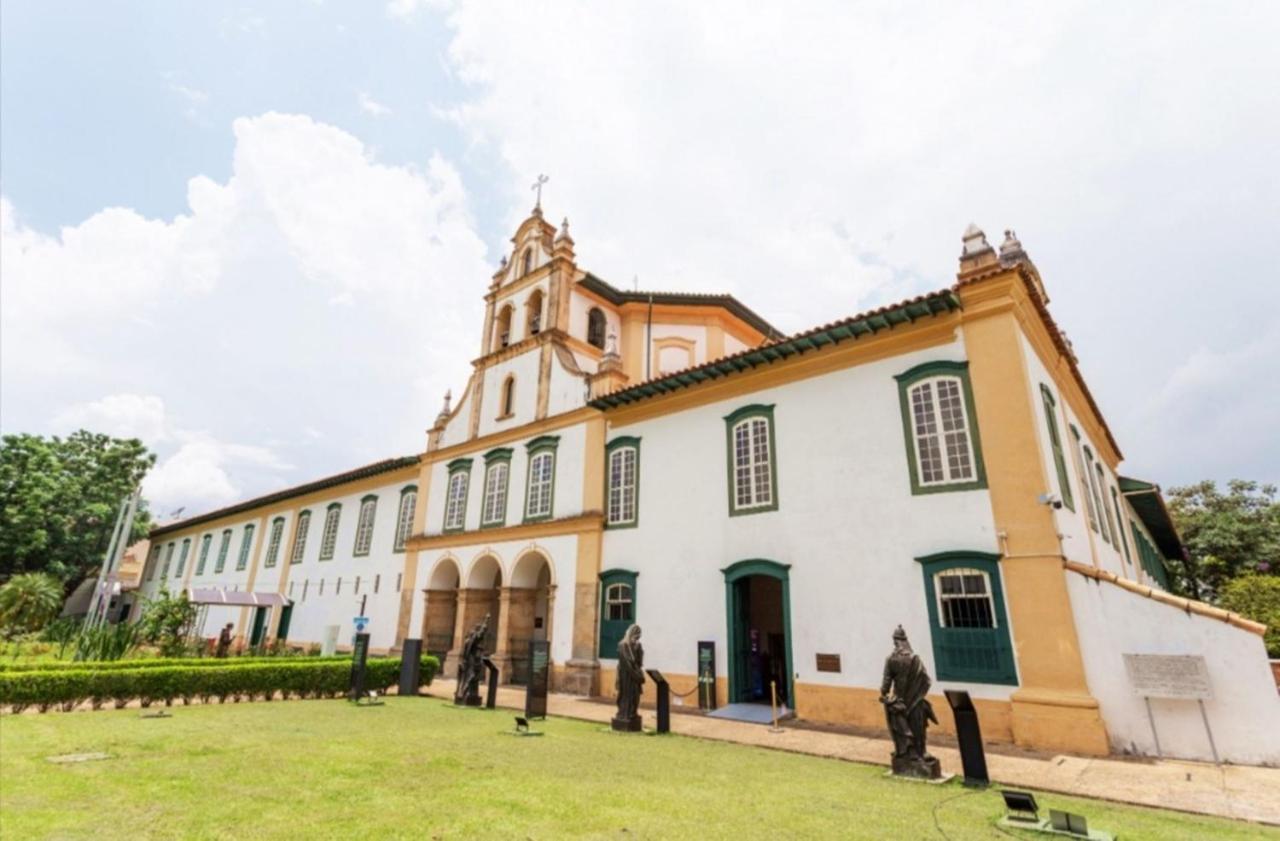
(419, 768)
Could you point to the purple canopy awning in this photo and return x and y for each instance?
(242, 598)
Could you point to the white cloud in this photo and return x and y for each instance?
(224, 313)
(139, 416)
(372, 107)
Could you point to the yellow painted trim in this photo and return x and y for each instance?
(589, 522)
(1053, 706)
(542, 272)
(715, 342)
(1183, 604)
(593, 464)
(689, 346)
(904, 339)
(493, 439)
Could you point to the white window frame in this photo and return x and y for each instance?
(273, 542)
(364, 525)
(300, 537)
(246, 542)
(455, 508)
(622, 509)
(961, 572)
(940, 434)
(758, 483)
(538, 502)
(497, 479)
(404, 521)
(610, 599)
(329, 537)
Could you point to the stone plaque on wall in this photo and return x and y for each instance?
(828, 662)
(1169, 676)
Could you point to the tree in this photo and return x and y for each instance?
(1227, 535)
(59, 498)
(1257, 597)
(29, 601)
(167, 621)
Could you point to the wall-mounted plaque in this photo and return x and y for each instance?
(1169, 676)
(828, 662)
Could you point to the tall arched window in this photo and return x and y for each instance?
(527, 265)
(364, 524)
(533, 313)
(508, 403)
(596, 327)
(502, 328)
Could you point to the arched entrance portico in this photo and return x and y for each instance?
(527, 608)
(479, 596)
(758, 606)
(440, 618)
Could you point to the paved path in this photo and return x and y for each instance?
(1229, 791)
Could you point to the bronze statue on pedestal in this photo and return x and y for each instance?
(630, 681)
(907, 710)
(471, 666)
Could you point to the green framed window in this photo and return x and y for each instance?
(967, 620)
(205, 542)
(617, 609)
(1152, 562)
(246, 541)
(300, 537)
(455, 500)
(153, 559)
(329, 536)
(1124, 540)
(752, 460)
(623, 492)
(404, 519)
(273, 542)
(182, 557)
(1102, 498)
(1055, 441)
(497, 478)
(364, 525)
(168, 560)
(939, 425)
(224, 546)
(1093, 474)
(1083, 469)
(540, 484)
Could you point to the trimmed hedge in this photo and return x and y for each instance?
(300, 677)
(160, 662)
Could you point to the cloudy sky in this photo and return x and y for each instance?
(258, 237)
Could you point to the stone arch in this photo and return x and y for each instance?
(530, 601)
(502, 327)
(481, 595)
(533, 313)
(440, 619)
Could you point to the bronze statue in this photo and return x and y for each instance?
(630, 681)
(907, 710)
(471, 666)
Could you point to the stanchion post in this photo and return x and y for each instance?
(773, 706)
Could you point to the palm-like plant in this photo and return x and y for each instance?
(29, 601)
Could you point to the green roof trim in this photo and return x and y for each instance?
(1147, 502)
(854, 327)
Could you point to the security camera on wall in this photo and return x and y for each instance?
(1050, 499)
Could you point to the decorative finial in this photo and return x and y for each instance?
(611, 345)
(564, 229)
(1011, 249)
(975, 241)
(448, 395)
(537, 188)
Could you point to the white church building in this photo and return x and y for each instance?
(780, 502)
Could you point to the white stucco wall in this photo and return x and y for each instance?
(580, 305)
(1244, 713)
(525, 370)
(1074, 525)
(848, 525)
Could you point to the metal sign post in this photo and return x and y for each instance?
(1178, 677)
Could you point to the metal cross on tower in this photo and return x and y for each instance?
(537, 187)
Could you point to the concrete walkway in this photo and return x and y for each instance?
(1229, 791)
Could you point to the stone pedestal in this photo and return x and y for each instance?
(627, 725)
(927, 768)
(580, 677)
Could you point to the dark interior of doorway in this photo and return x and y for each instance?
(759, 638)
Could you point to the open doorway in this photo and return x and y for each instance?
(759, 633)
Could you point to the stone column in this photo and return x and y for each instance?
(441, 619)
(502, 655)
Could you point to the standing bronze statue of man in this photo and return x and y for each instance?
(630, 681)
(471, 666)
(907, 710)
